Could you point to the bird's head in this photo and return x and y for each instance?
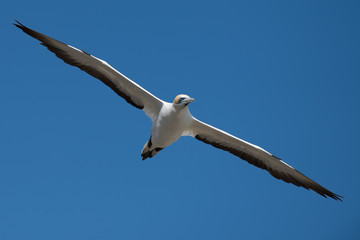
(182, 100)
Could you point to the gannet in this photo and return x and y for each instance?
(170, 121)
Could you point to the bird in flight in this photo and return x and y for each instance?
(170, 121)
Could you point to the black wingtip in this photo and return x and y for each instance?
(337, 197)
(333, 196)
(19, 25)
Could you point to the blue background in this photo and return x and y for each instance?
(283, 75)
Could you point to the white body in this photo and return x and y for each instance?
(170, 125)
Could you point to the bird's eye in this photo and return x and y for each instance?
(181, 99)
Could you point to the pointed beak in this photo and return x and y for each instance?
(188, 100)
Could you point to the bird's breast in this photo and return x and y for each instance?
(169, 126)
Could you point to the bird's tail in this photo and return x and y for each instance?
(149, 151)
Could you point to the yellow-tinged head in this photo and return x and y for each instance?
(183, 100)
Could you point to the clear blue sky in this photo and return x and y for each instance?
(283, 75)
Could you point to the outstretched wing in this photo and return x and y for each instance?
(123, 86)
(255, 156)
